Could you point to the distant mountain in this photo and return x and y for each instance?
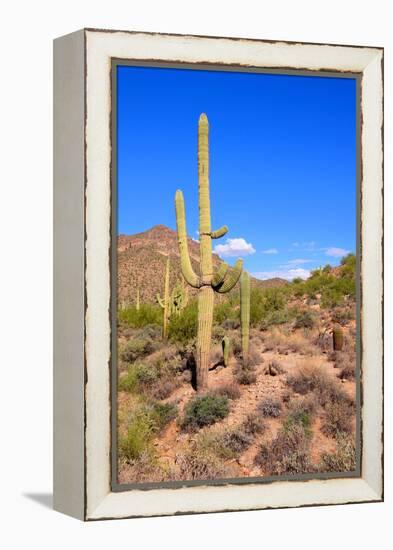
(142, 259)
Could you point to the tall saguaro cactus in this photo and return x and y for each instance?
(245, 314)
(165, 300)
(207, 281)
(137, 300)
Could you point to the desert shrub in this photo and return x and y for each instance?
(312, 378)
(218, 333)
(343, 459)
(138, 437)
(183, 327)
(348, 266)
(201, 464)
(216, 356)
(162, 413)
(138, 377)
(265, 304)
(301, 411)
(147, 314)
(254, 424)
(338, 418)
(236, 347)
(224, 444)
(236, 440)
(304, 319)
(346, 361)
(204, 410)
(274, 318)
(165, 387)
(152, 332)
(284, 342)
(144, 468)
(347, 372)
(137, 348)
(128, 381)
(288, 453)
(230, 324)
(269, 407)
(245, 376)
(224, 311)
(230, 390)
(342, 315)
(142, 425)
(254, 357)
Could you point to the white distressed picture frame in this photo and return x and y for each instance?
(82, 241)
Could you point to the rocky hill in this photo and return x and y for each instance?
(142, 259)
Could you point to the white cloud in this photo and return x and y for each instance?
(336, 252)
(308, 246)
(287, 274)
(270, 251)
(234, 247)
(298, 261)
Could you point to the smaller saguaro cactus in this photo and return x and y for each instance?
(179, 298)
(165, 300)
(137, 304)
(338, 338)
(225, 350)
(245, 314)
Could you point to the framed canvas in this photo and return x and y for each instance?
(200, 367)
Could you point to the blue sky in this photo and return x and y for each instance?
(282, 162)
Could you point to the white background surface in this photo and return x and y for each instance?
(26, 305)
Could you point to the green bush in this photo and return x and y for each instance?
(183, 327)
(137, 348)
(224, 311)
(148, 314)
(145, 422)
(138, 377)
(304, 319)
(267, 306)
(137, 440)
(204, 410)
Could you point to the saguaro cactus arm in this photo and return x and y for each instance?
(160, 300)
(231, 278)
(218, 233)
(219, 276)
(188, 273)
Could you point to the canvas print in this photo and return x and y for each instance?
(236, 331)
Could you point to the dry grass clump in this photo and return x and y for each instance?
(200, 464)
(245, 376)
(254, 424)
(270, 407)
(286, 342)
(343, 459)
(274, 368)
(301, 410)
(254, 357)
(288, 453)
(231, 390)
(311, 377)
(338, 418)
(144, 468)
(346, 362)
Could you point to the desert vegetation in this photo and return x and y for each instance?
(288, 409)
